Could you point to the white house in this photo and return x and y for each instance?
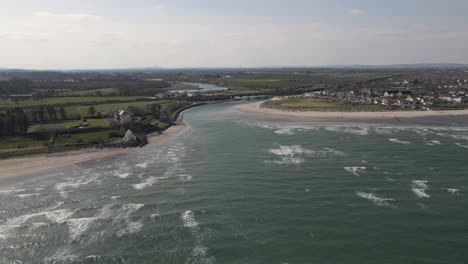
(129, 136)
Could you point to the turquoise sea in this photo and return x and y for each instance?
(238, 188)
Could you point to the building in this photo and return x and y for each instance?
(129, 136)
(122, 117)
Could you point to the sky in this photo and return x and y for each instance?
(96, 34)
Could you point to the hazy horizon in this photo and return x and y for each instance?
(67, 34)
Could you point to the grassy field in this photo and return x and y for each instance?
(104, 92)
(21, 146)
(98, 122)
(107, 108)
(315, 104)
(86, 138)
(69, 100)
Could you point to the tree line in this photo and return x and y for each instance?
(13, 121)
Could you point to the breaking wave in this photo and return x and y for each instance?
(355, 170)
(419, 188)
(396, 140)
(383, 202)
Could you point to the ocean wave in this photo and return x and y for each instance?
(146, 183)
(285, 131)
(396, 140)
(143, 165)
(189, 219)
(420, 184)
(355, 170)
(299, 150)
(382, 202)
(461, 145)
(26, 195)
(421, 193)
(56, 216)
(123, 175)
(185, 177)
(433, 143)
(62, 255)
(79, 226)
(126, 210)
(422, 206)
(286, 160)
(296, 154)
(419, 188)
(453, 191)
(132, 227)
(360, 131)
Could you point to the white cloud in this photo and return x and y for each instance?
(355, 12)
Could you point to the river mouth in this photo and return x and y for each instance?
(237, 188)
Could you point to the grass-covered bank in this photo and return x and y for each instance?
(317, 104)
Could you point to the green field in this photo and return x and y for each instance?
(98, 122)
(104, 92)
(315, 104)
(21, 146)
(69, 100)
(108, 108)
(86, 138)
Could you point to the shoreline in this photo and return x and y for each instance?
(255, 108)
(29, 165)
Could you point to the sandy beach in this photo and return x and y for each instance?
(255, 108)
(20, 166)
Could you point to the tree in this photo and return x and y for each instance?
(63, 114)
(41, 114)
(156, 110)
(91, 111)
(51, 112)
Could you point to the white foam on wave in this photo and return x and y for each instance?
(290, 150)
(419, 188)
(360, 131)
(74, 183)
(421, 193)
(123, 175)
(299, 150)
(63, 255)
(453, 191)
(146, 183)
(286, 160)
(396, 140)
(9, 191)
(132, 227)
(25, 195)
(295, 154)
(143, 165)
(126, 210)
(355, 170)
(189, 219)
(185, 177)
(420, 184)
(285, 131)
(433, 143)
(56, 216)
(199, 251)
(154, 216)
(382, 202)
(79, 226)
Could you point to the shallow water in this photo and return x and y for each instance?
(236, 188)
